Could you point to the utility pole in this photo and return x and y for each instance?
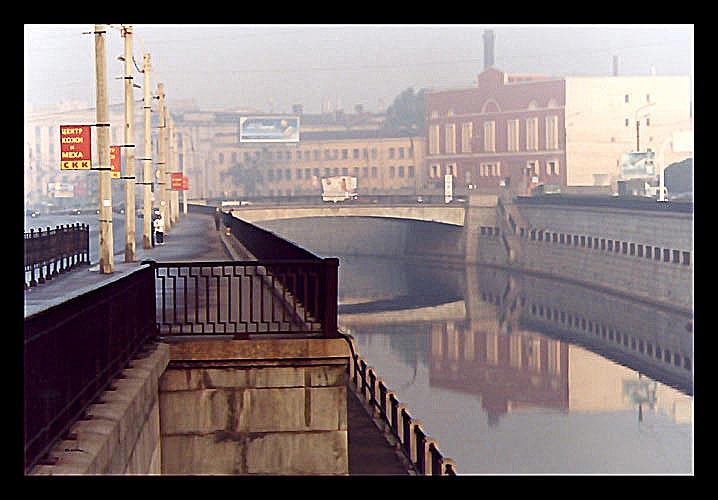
(184, 174)
(175, 168)
(162, 163)
(168, 182)
(104, 187)
(147, 178)
(129, 176)
(174, 195)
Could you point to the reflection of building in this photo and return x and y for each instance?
(535, 129)
(507, 371)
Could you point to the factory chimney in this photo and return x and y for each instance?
(488, 49)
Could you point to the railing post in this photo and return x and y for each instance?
(331, 287)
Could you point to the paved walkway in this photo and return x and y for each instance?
(194, 238)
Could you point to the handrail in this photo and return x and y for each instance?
(52, 252)
(421, 450)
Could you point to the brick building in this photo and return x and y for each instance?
(526, 129)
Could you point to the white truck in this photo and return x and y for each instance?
(339, 188)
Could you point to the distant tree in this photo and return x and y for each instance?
(247, 175)
(406, 112)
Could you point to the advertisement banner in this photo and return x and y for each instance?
(280, 129)
(178, 181)
(60, 190)
(75, 147)
(115, 162)
(638, 165)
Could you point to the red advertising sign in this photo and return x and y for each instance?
(75, 147)
(176, 181)
(115, 162)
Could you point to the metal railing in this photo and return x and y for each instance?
(52, 252)
(245, 298)
(421, 450)
(74, 349)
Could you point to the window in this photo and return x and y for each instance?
(489, 136)
(345, 170)
(391, 153)
(365, 171)
(489, 169)
(345, 154)
(451, 169)
(355, 153)
(626, 98)
(551, 132)
(552, 168)
(434, 172)
(410, 171)
(532, 134)
(532, 168)
(466, 136)
(433, 140)
(401, 171)
(373, 172)
(512, 131)
(401, 152)
(391, 171)
(450, 138)
(299, 174)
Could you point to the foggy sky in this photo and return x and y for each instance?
(271, 67)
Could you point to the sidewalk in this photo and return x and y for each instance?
(193, 237)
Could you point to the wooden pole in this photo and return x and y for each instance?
(104, 187)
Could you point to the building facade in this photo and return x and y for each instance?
(382, 163)
(523, 130)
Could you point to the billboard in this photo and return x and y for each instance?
(60, 190)
(75, 147)
(638, 165)
(279, 129)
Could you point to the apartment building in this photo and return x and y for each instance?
(521, 130)
(383, 163)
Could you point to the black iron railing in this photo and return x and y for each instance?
(421, 450)
(52, 252)
(74, 349)
(245, 298)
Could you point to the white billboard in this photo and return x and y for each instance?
(269, 129)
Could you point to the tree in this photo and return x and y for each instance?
(247, 175)
(406, 113)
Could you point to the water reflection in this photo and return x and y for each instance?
(519, 374)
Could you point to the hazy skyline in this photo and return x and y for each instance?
(271, 67)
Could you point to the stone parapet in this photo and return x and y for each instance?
(121, 435)
(262, 406)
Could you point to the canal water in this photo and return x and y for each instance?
(506, 389)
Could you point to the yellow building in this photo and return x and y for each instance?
(383, 163)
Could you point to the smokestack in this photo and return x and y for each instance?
(488, 48)
(615, 65)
